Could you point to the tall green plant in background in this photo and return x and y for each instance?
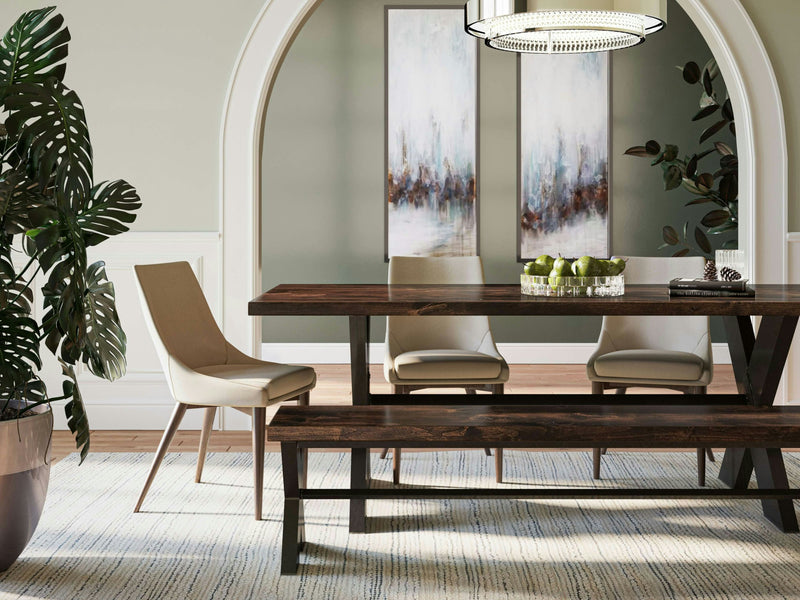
(717, 186)
(51, 212)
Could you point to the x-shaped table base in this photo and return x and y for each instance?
(758, 363)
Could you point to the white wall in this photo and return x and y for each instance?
(153, 76)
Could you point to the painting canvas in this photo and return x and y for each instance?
(431, 133)
(564, 155)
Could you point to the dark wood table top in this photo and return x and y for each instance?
(382, 299)
(540, 426)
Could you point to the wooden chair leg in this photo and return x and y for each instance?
(396, 453)
(597, 388)
(205, 434)
(384, 452)
(596, 454)
(259, 435)
(487, 451)
(710, 454)
(498, 465)
(701, 467)
(498, 389)
(163, 446)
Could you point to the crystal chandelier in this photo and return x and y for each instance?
(564, 26)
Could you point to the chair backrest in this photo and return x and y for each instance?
(178, 316)
(405, 334)
(684, 334)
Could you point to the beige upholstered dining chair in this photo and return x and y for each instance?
(441, 351)
(203, 370)
(654, 351)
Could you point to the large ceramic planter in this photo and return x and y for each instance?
(24, 475)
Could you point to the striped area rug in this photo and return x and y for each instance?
(201, 541)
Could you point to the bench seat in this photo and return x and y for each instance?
(544, 426)
(753, 436)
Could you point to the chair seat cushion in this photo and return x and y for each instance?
(660, 365)
(276, 379)
(447, 365)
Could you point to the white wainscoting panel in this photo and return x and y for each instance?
(140, 399)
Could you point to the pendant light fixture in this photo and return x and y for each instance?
(564, 26)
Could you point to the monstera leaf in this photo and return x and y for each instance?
(18, 197)
(33, 50)
(104, 349)
(49, 125)
(77, 421)
(19, 351)
(109, 208)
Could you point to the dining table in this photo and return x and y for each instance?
(758, 356)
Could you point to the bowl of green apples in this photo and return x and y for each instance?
(584, 277)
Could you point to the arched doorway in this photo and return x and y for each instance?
(730, 36)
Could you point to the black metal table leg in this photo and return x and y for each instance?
(293, 530)
(758, 363)
(771, 473)
(359, 377)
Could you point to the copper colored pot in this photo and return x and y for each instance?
(24, 475)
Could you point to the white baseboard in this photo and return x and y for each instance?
(515, 354)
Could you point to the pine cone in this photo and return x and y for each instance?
(710, 271)
(728, 274)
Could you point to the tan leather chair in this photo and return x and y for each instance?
(660, 352)
(204, 371)
(441, 352)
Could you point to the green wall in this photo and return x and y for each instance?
(153, 76)
(323, 162)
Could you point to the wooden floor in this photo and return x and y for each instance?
(333, 387)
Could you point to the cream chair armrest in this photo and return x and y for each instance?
(191, 387)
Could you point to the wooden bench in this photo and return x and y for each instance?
(758, 433)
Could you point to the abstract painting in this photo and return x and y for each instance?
(564, 155)
(431, 75)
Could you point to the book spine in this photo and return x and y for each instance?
(730, 286)
(685, 293)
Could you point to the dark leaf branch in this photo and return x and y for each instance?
(719, 186)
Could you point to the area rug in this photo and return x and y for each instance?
(201, 541)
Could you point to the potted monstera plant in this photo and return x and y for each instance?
(51, 212)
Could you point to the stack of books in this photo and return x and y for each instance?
(702, 287)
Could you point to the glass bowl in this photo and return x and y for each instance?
(535, 285)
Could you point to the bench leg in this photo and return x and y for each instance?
(293, 529)
(359, 480)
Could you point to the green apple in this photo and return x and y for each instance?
(533, 268)
(617, 265)
(547, 261)
(561, 268)
(605, 267)
(586, 266)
